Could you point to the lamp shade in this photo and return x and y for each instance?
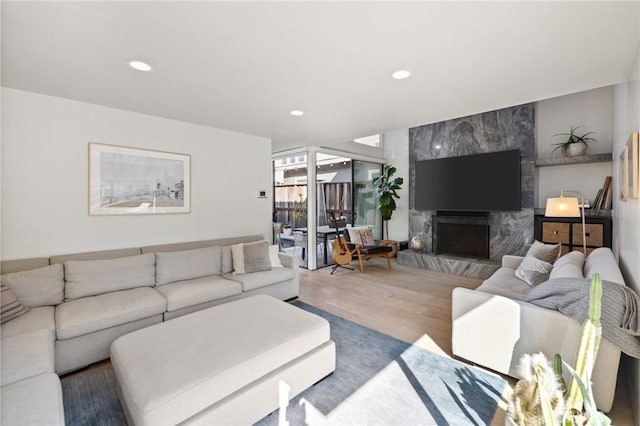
(562, 207)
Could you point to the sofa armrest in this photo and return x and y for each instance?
(288, 261)
(510, 261)
(495, 331)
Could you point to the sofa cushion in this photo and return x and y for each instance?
(37, 287)
(183, 294)
(547, 252)
(27, 355)
(33, 401)
(88, 314)
(262, 278)
(602, 261)
(91, 277)
(505, 283)
(533, 271)
(183, 265)
(250, 257)
(568, 266)
(36, 319)
(10, 307)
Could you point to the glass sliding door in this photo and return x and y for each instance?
(365, 211)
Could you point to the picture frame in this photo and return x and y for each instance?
(628, 170)
(132, 181)
(623, 174)
(634, 164)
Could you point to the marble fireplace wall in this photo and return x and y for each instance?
(511, 128)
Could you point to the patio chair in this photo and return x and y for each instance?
(365, 247)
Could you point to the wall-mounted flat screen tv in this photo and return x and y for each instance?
(481, 182)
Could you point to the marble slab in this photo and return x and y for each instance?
(510, 232)
(472, 268)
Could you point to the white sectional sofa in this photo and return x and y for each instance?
(80, 303)
(493, 327)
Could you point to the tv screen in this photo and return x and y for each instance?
(481, 182)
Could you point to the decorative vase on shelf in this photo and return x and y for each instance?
(576, 149)
(417, 244)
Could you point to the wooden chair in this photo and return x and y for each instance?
(380, 248)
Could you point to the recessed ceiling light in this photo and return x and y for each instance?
(297, 113)
(401, 74)
(139, 65)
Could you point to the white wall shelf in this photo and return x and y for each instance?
(579, 159)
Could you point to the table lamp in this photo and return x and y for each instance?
(568, 207)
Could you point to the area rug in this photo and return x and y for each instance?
(379, 380)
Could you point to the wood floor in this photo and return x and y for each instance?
(413, 305)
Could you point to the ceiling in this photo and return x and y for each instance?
(244, 66)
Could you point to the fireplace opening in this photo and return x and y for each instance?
(465, 236)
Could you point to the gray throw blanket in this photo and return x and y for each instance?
(620, 318)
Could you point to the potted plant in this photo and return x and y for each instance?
(541, 396)
(286, 230)
(574, 145)
(387, 188)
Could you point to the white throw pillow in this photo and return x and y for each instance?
(533, 271)
(274, 257)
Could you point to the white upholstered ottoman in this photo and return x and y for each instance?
(227, 364)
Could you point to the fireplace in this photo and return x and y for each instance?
(464, 234)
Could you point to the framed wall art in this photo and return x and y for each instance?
(623, 175)
(629, 165)
(124, 180)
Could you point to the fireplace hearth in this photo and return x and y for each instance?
(464, 234)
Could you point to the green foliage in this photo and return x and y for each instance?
(387, 188)
(580, 407)
(572, 138)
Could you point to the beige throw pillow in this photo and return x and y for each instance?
(251, 257)
(533, 271)
(37, 287)
(10, 308)
(547, 252)
(366, 236)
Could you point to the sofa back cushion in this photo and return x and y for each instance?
(602, 261)
(91, 277)
(182, 265)
(251, 257)
(37, 287)
(568, 266)
(227, 260)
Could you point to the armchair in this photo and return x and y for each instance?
(362, 244)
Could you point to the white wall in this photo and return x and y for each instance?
(626, 220)
(396, 153)
(592, 109)
(44, 178)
